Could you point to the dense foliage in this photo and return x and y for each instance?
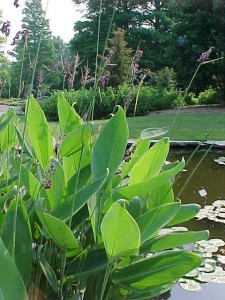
(170, 33)
(149, 99)
(82, 218)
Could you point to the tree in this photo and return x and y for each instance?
(35, 28)
(201, 25)
(4, 63)
(121, 58)
(147, 25)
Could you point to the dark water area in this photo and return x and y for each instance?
(210, 176)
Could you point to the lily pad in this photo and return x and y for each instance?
(214, 212)
(193, 273)
(190, 285)
(221, 259)
(205, 277)
(220, 160)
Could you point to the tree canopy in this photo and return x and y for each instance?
(34, 39)
(171, 33)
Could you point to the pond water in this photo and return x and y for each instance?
(210, 176)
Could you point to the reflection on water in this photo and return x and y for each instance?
(210, 176)
(209, 291)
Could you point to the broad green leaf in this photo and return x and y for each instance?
(76, 140)
(160, 196)
(134, 207)
(59, 231)
(154, 220)
(140, 147)
(120, 233)
(173, 240)
(7, 182)
(68, 117)
(10, 194)
(8, 132)
(156, 270)
(5, 119)
(79, 180)
(143, 188)
(11, 283)
(151, 293)
(87, 263)
(109, 148)
(76, 162)
(150, 133)
(23, 238)
(57, 193)
(48, 271)
(185, 213)
(27, 179)
(26, 146)
(151, 162)
(39, 133)
(73, 204)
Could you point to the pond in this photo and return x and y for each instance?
(209, 176)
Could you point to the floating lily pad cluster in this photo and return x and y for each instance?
(214, 212)
(220, 160)
(213, 265)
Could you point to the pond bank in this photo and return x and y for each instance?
(190, 144)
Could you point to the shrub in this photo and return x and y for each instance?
(150, 98)
(209, 96)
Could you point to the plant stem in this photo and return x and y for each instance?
(63, 264)
(63, 261)
(189, 85)
(106, 277)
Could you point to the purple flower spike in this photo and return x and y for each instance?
(40, 77)
(16, 4)
(6, 26)
(205, 55)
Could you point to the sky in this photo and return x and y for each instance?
(61, 13)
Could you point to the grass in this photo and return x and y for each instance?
(183, 126)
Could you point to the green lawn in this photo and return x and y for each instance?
(182, 126)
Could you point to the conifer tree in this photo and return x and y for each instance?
(35, 29)
(121, 58)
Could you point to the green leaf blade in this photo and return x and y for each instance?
(76, 140)
(121, 235)
(154, 220)
(68, 117)
(59, 231)
(173, 240)
(150, 164)
(159, 269)
(23, 239)
(39, 133)
(11, 283)
(185, 213)
(109, 149)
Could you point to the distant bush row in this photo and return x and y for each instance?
(149, 99)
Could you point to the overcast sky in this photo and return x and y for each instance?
(61, 13)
